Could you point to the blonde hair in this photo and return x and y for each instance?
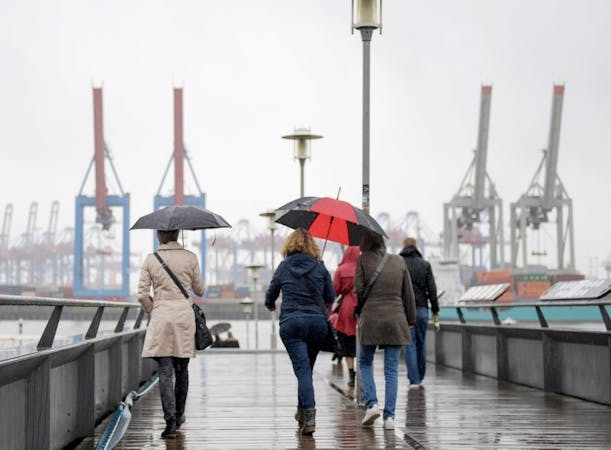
(300, 241)
(410, 241)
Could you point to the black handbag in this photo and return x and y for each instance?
(203, 337)
(331, 343)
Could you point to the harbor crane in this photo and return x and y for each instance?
(546, 194)
(476, 201)
(178, 157)
(102, 202)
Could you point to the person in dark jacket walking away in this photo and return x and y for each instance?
(386, 313)
(307, 291)
(343, 283)
(425, 292)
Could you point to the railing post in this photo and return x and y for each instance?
(541, 317)
(115, 361)
(461, 317)
(38, 407)
(550, 363)
(48, 336)
(133, 363)
(502, 355)
(85, 420)
(139, 319)
(467, 359)
(605, 314)
(121, 322)
(92, 332)
(495, 316)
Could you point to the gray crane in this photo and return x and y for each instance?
(476, 199)
(545, 194)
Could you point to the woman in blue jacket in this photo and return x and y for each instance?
(307, 290)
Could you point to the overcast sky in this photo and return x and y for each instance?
(253, 69)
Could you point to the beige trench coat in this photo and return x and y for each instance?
(171, 331)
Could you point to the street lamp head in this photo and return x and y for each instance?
(255, 270)
(270, 215)
(247, 303)
(367, 14)
(302, 137)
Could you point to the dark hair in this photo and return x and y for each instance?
(164, 236)
(372, 242)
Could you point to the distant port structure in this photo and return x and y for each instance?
(93, 259)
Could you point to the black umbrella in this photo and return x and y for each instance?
(180, 218)
(220, 327)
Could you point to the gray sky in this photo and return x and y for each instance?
(252, 70)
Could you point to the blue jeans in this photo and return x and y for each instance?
(303, 337)
(415, 354)
(391, 368)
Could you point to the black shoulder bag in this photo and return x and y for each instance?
(203, 337)
(367, 289)
(331, 343)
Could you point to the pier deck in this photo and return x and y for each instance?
(247, 400)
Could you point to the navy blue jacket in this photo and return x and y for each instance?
(298, 300)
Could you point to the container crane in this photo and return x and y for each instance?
(178, 157)
(4, 242)
(545, 194)
(476, 200)
(6, 226)
(102, 202)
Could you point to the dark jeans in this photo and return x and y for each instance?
(303, 337)
(173, 395)
(415, 354)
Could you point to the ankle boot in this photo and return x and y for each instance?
(299, 417)
(351, 380)
(170, 430)
(309, 421)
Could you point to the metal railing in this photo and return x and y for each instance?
(58, 394)
(494, 309)
(574, 361)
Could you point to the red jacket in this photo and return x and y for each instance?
(343, 283)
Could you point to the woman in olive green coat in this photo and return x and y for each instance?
(386, 315)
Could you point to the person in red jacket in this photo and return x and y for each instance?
(343, 283)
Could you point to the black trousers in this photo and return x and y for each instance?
(173, 394)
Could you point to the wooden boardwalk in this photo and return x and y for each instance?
(247, 401)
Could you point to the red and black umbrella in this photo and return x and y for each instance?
(328, 218)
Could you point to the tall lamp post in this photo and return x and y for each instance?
(302, 137)
(271, 225)
(255, 271)
(366, 17)
(246, 303)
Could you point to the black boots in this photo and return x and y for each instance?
(170, 430)
(308, 424)
(351, 380)
(180, 420)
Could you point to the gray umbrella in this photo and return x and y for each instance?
(180, 218)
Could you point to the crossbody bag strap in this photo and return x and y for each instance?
(374, 276)
(171, 274)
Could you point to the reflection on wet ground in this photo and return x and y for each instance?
(241, 400)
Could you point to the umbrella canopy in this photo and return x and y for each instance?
(328, 218)
(180, 218)
(220, 327)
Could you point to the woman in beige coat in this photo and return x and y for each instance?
(170, 336)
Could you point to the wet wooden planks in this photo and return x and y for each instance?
(247, 401)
